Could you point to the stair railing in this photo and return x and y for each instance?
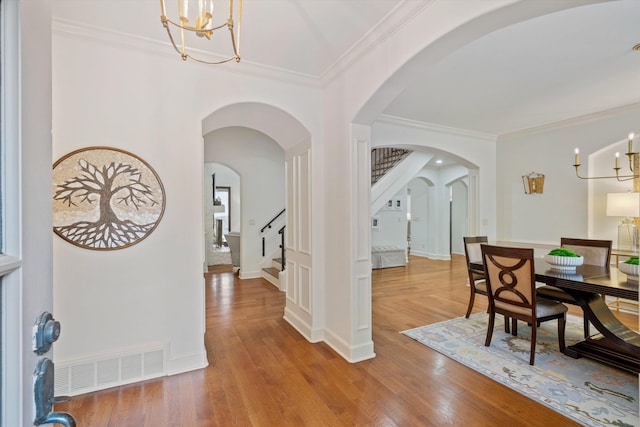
(267, 226)
(383, 159)
(282, 251)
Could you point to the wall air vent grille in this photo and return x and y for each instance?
(87, 375)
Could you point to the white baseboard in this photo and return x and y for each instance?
(444, 257)
(249, 274)
(310, 334)
(130, 365)
(351, 354)
(187, 362)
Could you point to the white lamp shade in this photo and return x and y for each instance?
(623, 204)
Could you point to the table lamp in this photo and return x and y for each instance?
(625, 205)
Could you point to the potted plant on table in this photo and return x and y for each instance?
(563, 259)
(630, 268)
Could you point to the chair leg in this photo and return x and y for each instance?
(492, 318)
(514, 327)
(471, 300)
(562, 321)
(506, 324)
(532, 356)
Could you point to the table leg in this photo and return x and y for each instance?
(616, 344)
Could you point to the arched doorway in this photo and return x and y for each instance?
(478, 150)
(304, 300)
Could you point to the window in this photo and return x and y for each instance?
(224, 195)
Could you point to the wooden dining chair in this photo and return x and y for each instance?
(511, 285)
(595, 252)
(477, 284)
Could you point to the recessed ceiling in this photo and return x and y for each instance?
(571, 63)
(301, 36)
(556, 67)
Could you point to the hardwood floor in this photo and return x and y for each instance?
(263, 373)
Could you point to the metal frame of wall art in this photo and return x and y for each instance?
(533, 183)
(105, 198)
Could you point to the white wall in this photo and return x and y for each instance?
(259, 161)
(420, 235)
(563, 209)
(392, 230)
(459, 216)
(107, 94)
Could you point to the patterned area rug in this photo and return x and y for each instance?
(583, 390)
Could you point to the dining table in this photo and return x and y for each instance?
(614, 344)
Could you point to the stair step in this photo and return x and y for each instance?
(277, 263)
(272, 271)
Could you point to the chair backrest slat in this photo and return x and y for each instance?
(595, 252)
(472, 249)
(510, 277)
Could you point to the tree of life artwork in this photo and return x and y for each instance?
(105, 198)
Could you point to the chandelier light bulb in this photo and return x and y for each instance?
(201, 25)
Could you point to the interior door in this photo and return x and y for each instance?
(25, 172)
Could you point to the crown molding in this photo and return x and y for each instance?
(580, 120)
(383, 118)
(81, 31)
(393, 21)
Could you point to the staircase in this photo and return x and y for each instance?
(383, 159)
(272, 274)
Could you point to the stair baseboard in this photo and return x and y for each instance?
(271, 275)
(277, 263)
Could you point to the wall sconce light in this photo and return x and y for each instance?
(533, 183)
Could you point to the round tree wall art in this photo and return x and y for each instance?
(105, 198)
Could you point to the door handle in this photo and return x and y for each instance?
(44, 399)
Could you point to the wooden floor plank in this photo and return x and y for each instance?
(262, 372)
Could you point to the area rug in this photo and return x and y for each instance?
(588, 392)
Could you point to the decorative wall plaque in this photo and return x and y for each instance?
(105, 198)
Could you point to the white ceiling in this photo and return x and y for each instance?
(552, 68)
(568, 64)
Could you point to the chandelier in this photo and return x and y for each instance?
(634, 164)
(200, 24)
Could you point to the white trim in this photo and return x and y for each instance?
(391, 23)
(81, 31)
(12, 365)
(8, 263)
(383, 118)
(581, 120)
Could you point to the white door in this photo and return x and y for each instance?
(300, 302)
(25, 174)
